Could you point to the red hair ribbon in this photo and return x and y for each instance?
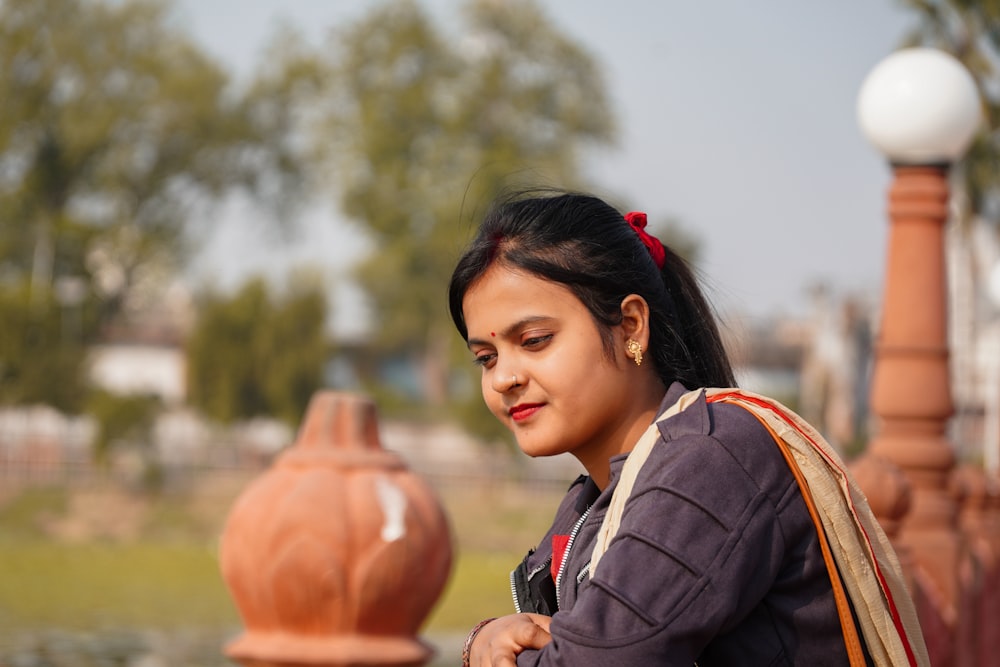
(637, 221)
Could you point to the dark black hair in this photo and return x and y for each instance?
(582, 242)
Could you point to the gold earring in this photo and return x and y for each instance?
(634, 349)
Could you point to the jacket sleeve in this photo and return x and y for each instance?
(699, 546)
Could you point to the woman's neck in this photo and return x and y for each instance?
(597, 460)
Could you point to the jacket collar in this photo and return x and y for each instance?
(695, 420)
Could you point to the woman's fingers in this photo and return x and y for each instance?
(540, 620)
(535, 633)
(499, 642)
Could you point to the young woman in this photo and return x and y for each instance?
(698, 547)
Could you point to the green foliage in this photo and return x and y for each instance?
(969, 31)
(256, 354)
(114, 127)
(121, 419)
(419, 125)
(41, 350)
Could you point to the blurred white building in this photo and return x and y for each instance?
(144, 352)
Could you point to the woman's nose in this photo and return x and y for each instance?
(504, 381)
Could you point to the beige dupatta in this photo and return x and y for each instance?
(858, 554)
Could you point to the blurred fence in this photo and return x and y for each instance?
(40, 446)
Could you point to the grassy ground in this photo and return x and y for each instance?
(104, 561)
(90, 586)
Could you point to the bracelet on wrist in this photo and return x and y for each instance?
(467, 648)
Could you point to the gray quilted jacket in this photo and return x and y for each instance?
(716, 561)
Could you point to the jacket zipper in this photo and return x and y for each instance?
(569, 548)
(513, 584)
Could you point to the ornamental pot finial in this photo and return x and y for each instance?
(335, 555)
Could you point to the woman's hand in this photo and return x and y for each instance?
(500, 641)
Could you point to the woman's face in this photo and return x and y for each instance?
(569, 395)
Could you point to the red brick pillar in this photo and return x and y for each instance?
(335, 555)
(911, 393)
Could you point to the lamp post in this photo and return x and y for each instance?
(919, 107)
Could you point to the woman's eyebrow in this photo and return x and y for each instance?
(516, 326)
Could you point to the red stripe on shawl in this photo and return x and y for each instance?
(896, 620)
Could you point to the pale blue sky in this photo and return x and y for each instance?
(736, 118)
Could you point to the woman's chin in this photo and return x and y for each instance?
(535, 451)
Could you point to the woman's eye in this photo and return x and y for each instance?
(485, 360)
(536, 341)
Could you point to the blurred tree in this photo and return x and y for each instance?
(418, 125)
(113, 127)
(971, 32)
(296, 350)
(255, 354)
(41, 356)
(120, 420)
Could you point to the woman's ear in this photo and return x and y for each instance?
(635, 319)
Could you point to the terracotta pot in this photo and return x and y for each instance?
(336, 555)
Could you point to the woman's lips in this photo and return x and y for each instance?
(524, 410)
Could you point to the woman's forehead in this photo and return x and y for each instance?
(502, 279)
(504, 293)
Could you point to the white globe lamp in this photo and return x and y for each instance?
(919, 106)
